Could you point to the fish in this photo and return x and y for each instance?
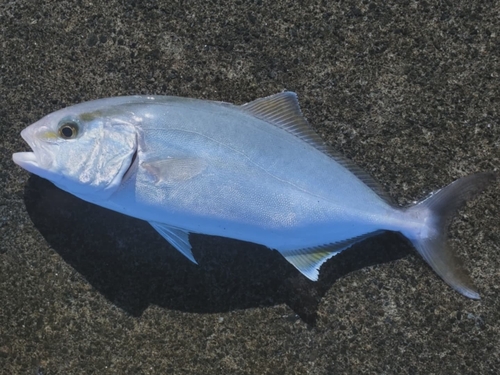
(256, 172)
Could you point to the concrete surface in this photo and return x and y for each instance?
(409, 90)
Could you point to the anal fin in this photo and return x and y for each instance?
(178, 238)
(309, 260)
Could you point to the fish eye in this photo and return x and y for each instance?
(68, 130)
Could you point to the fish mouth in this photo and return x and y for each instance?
(29, 162)
(26, 160)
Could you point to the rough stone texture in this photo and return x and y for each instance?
(410, 90)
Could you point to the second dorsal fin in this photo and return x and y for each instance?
(283, 111)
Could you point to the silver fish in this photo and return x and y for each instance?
(256, 172)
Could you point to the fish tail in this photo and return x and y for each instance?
(436, 212)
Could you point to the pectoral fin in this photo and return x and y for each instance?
(173, 170)
(178, 238)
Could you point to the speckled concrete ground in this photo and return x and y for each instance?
(409, 90)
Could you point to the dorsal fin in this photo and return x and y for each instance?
(283, 110)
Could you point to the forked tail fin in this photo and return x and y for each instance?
(437, 211)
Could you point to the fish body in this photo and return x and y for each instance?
(255, 172)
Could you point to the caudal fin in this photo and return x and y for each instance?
(437, 211)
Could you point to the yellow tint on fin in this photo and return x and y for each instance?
(309, 260)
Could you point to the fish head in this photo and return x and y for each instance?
(84, 152)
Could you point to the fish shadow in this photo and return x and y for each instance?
(133, 266)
